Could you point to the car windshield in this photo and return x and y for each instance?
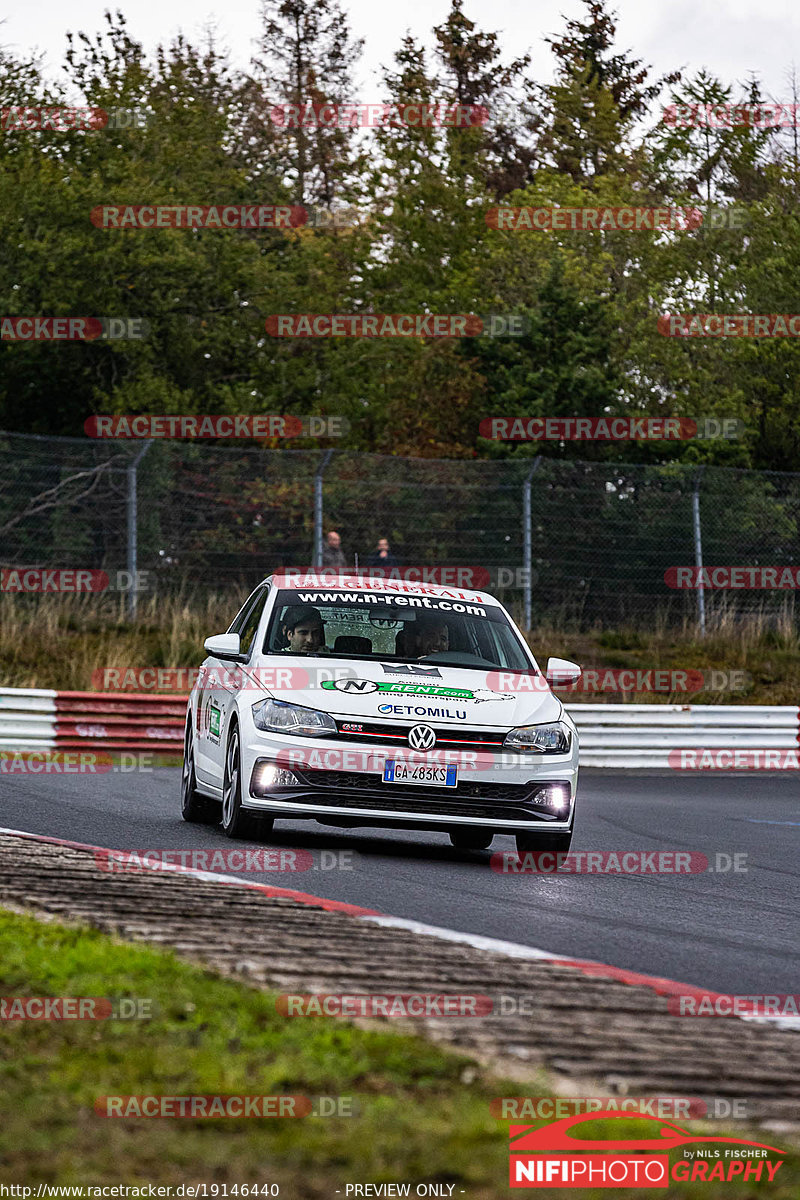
(407, 628)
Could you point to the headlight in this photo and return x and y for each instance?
(541, 739)
(274, 716)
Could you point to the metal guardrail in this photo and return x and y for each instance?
(643, 735)
(631, 736)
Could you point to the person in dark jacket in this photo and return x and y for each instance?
(332, 553)
(382, 555)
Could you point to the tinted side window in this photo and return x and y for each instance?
(248, 630)
(244, 611)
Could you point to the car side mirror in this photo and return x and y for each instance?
(224, 645)
(561, 672)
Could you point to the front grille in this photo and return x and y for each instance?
(446, 736)
(516, 793)
(484, 801)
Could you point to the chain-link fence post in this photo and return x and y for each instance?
(132, 508)
(698, 550)
(527, 543)
(326, 458)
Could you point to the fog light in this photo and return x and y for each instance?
(555, 796)
(266, 775)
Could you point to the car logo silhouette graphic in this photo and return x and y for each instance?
(557, 1137)
(421, 737)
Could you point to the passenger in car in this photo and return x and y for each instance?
(428, 635)
(303, 630)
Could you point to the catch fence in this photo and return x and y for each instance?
(596, 538)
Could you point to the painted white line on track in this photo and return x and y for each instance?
(758, 821)
(495, 945)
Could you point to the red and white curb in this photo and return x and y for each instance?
(597, 970)
(44, 719)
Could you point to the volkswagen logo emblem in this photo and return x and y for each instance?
(421, 737)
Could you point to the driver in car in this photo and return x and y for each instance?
(430, 635)
(303, 630)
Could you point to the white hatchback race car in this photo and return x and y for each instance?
(380, 703)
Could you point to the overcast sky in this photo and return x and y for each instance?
(730, 37)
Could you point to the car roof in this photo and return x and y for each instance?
(387, 587)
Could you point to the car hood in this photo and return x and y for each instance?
(348, 688)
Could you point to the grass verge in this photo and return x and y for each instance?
(423, 1113)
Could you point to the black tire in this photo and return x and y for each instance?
(236, 821)
(557, 843)
(468, 838)
(199, 809)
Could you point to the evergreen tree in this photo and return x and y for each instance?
(305, 62)
(596, 100)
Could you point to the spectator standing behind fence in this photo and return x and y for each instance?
(332, 553)
(382, 555)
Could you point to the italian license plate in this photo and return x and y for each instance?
(419, 773)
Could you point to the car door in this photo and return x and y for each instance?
(233, 678)
(218, 687)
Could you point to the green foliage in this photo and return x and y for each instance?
(599, 135)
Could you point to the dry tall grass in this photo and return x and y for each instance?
(59, 641)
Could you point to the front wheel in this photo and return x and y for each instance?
(199, 809)
(236, 821)
(557, 843)
(465, 838)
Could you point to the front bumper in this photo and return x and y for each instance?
(506, 798)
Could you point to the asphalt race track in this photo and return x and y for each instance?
(735, 932)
